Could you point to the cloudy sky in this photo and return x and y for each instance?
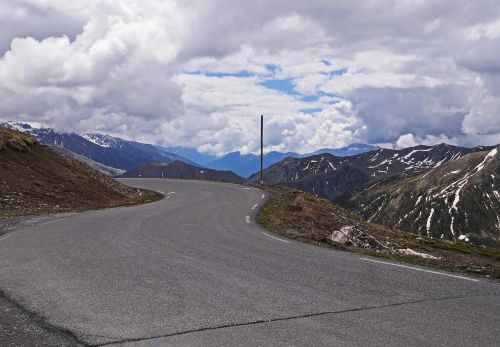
(325, 73)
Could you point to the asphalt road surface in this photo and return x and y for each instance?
(195, 270)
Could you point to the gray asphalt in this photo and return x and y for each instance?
(190, 271)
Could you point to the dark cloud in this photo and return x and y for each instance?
(392, 112)
(25, 19)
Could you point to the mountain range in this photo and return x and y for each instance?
(331, 176)
(441, 191)
(382, 186)
(111, 154)
(246, 164)
(457, 200)
(104, 149)
(180, 170)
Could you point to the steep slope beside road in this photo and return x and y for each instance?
(307, 218)
(36, 179)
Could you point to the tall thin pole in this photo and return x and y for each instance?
(261, 148)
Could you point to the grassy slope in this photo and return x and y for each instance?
(310, 219)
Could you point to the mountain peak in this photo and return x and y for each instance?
(23, 127)
(102, 140)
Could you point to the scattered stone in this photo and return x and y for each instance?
(353, 236)
(409, 251)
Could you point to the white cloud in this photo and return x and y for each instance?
(484, 117)
(409, 140)
(132, 69)
(489, 30)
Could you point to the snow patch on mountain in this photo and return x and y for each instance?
(102, 140)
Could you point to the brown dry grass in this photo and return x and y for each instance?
(36, 180)
(304, 217)
(15, 140)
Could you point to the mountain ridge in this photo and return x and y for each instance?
(181, 170)
(457, 200)
(105, 149)
(338, 178)
(247, 164)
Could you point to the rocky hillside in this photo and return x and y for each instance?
(456, 200)
(36, 179)
(307, 218)
(179, 169)
(332, 177)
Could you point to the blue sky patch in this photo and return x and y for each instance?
(338, 72)
(285, 86)
(272, 68)
(315, 97)
(242, 73)
(310, 98)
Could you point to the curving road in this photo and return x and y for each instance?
(194, 270)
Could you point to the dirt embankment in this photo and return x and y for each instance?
(307, 218)
(35, 179)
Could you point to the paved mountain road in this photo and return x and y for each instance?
(192, 270)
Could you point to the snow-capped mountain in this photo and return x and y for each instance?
(352, 149)
(459, 199)
(104, 149)
(247, 164)
(331, 176)
(104, 140)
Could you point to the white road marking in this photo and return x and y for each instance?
(255, 206)
(418, 269)
(171, 193)
(276, 238)
(247, 188)
(247, 219)
(50, 222)
(263, 196)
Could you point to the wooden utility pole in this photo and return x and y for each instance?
(261, 148)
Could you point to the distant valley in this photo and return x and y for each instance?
(247, 164)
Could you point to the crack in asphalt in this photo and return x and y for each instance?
(42, 321)
(281, 319)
